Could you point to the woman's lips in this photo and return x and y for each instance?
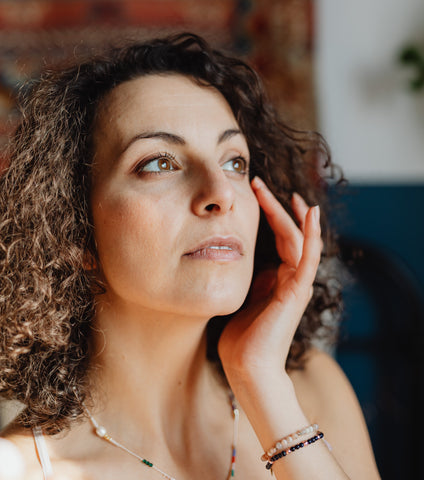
(217, 248)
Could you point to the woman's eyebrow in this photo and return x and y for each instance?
(227, 134)
(168, 137)
(176, 139)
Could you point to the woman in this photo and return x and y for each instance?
(130, 212)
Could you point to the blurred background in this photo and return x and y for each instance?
(355, 72)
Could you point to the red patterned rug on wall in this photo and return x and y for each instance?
(275, 36)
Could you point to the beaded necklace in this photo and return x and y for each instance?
(101, 432)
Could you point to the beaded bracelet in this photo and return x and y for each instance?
(284, 453)
(287, 440)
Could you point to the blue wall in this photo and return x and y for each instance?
(391, 217)
(382, 335)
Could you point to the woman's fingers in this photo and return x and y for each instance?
(311, 254)
(295, 287)
(281, 223)
(298, 249)
(300, 209)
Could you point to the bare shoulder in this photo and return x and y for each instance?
(328, 399)
(323, 378)
(19, 458)
(326, 394)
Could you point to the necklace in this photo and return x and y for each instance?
(101, 432)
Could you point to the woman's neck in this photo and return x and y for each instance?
(150, 370)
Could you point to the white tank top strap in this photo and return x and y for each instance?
(43, 455)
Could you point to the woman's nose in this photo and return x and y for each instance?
(214, 192)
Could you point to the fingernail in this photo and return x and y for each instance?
(298, 198)
(258, 182)
(316, 214)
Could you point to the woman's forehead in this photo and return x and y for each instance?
(155, 92)
(152, 102)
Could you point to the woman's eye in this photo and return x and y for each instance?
(238, 165)
(162, 163)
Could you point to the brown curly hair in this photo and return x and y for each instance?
(46, 294)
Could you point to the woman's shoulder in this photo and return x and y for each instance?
(324, 390)
(18, 458)
(328, 399)
(320, 383)
(320, 372)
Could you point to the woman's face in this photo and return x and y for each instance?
(175, 218)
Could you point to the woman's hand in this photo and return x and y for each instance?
(254, 346)
(258, 339)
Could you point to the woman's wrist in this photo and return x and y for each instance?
(271, 405)
(273, 410)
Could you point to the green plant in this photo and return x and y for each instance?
(413, 57)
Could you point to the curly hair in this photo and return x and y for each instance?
(46, 293)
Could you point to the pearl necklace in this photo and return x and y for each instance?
(101, 432)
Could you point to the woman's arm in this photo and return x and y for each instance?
(253, 348)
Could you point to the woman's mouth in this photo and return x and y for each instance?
(218, 249)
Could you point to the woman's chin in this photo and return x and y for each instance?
(217, 305)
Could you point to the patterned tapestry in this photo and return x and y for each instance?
(275, 36)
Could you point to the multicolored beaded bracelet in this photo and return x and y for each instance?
(284, 453)
(287, 440)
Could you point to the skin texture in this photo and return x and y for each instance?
(153, 388)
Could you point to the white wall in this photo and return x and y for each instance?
(374, 125)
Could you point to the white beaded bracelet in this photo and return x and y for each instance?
(288, 441)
